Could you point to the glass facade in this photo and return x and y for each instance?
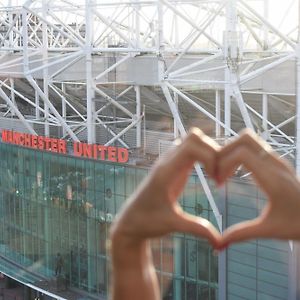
(55, 212)
(256, 269)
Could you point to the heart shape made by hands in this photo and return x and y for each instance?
(153, 210)
(275, 177)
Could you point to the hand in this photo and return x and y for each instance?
(153, 210)
(280, 218)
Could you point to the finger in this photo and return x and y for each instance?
(243, 231)
(248, 138)
(261, 149)
(195, 147)
(200, 227)
(269, 175)
(243, 155)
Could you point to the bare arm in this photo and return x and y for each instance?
(153, 211)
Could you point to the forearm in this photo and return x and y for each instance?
(134, 276)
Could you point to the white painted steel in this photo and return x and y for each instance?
(105, 60)
(198, 169)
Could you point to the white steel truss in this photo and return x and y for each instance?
(73, 64)
(85, 67)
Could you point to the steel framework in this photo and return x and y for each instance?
(71, 68)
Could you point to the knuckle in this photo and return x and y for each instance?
(247, 135)
(194, 135)
(242, 152)
(211, 158)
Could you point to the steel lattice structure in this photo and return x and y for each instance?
(60, 62)
(71, 68)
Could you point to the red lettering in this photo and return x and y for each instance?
(27, 140)
(4, 136)
(47, 142)
(123, 155)
(34, 141)
(77, 148)
(54, 145)
(95, 151)
(40, 142)
(21, 139)
(102, 150)
(9, 136)
(87, 150)
(62, 147)
(112, 154)
(15, 138)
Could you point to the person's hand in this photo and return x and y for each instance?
(280, 218)
(153, 210)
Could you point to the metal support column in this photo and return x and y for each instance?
(137, 26)
(90, 104)
(222, 261)
(293, 284)
(138, 115)
(11, 34)
(160, 33)
(230, 55)
(176, 131)
(265, 116)
(64, 107)
(218, 113)
(37, 103)
(177, 287)
(45, 70)
(265, 28)
(229, 52)
(227, 103)
(12, 94)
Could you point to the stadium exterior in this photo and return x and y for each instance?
(92, 92)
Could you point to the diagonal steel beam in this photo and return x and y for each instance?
(52, 108)
(242, 106)
(113, 27)
(122, 132)
(265, 68)
(112, 132)
(114, 66)
(112, 101)
(198, 169)
(268, 24)
(199, 107)
(15, 109)
(191, 22)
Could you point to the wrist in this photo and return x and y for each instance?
(126, 250)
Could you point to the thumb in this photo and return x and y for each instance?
(199, 227)
(247, 230)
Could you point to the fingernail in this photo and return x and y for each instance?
(223, 247)
(219, 183)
